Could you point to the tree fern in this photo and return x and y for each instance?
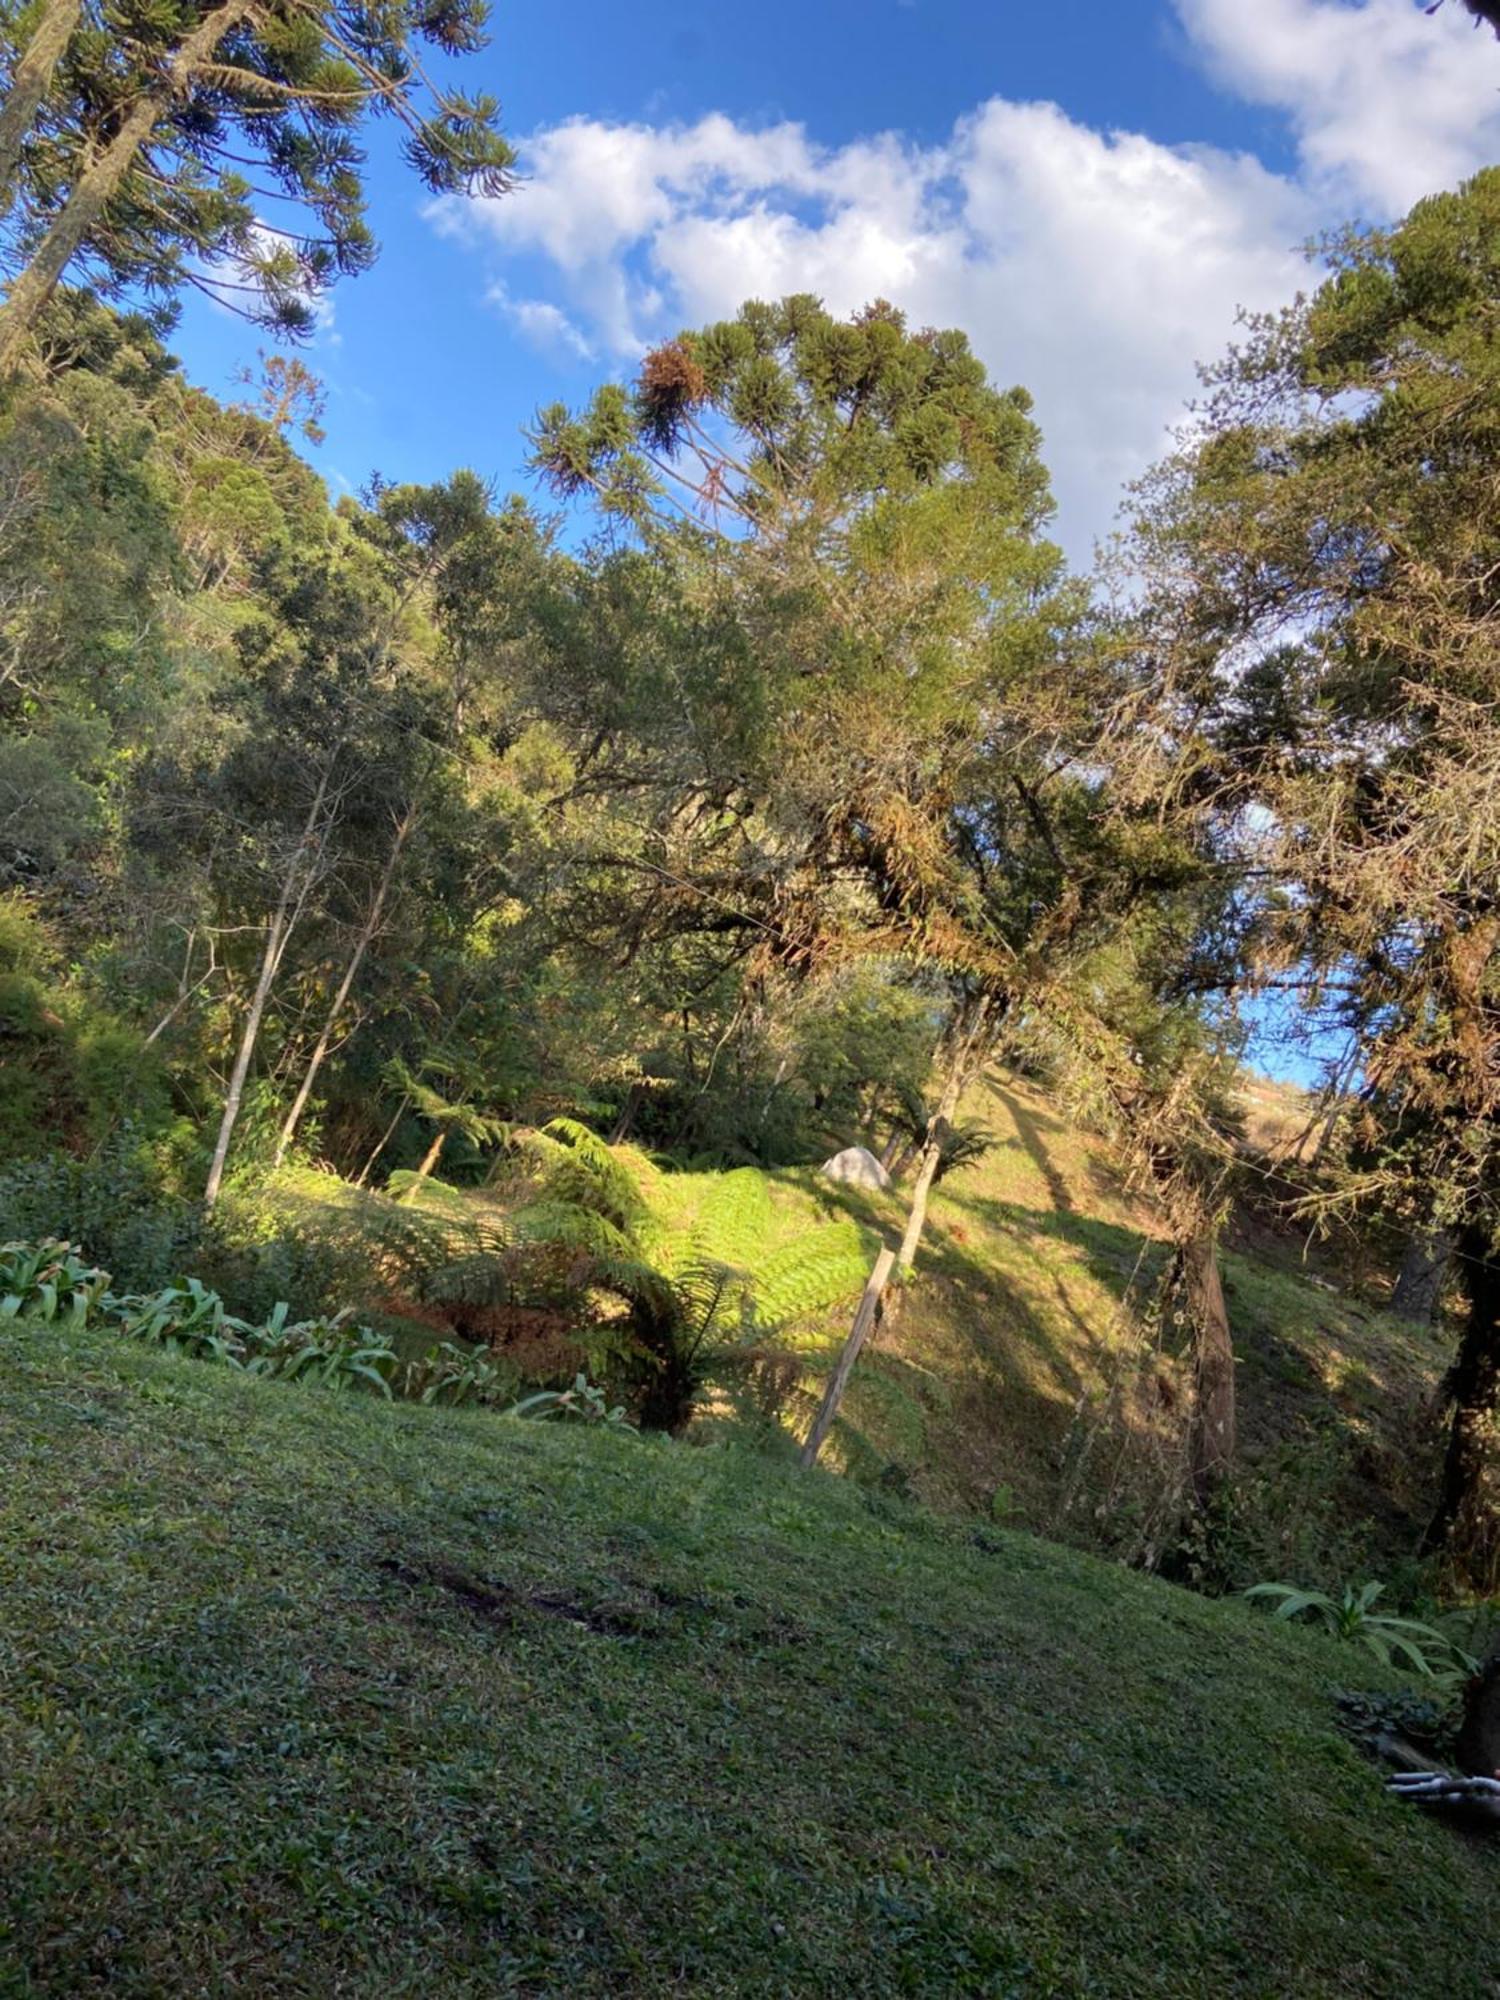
(811, 1274)
(734, 1219)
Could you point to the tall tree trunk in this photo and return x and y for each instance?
(433, 1154)
(1473, 1386)
(1479, 1732)
(100, 179)
(1211, 1436)
(336, 1006)
(278, 931)
(384, 1140)
(1418, 1289)
(838, 1381)
(964, 1056)
(29, 85)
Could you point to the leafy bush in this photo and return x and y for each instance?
(49, 1280)
(67, 1066)
(120, 1202)
(1353, 1617)
(454, 1375)
(584, 1401)
(331, 1351)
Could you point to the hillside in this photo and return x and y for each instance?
(1023, 1376)
(308, 1694)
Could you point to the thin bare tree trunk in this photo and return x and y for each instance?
(100, 179)
(184, 991)
(356, 958)
(277, 933)
(838, 1381)
(1211, 1438)
(431, 1157)
(867, 1315)
(385, 1139)
(29, 85)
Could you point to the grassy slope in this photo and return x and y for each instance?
(994, 1375)
(313, 1696)
(1012, 1381)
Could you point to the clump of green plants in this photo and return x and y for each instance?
(188, 1318)
(1355, 1616)
(333, 1351)
(585, 1401)
(191, 1318)
(50, 1280)
(455, 1376)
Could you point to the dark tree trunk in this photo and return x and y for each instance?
(625, 1123)
(1473, 1389)
(1418, 1290)
(1479, 1734)
(1211, 1438)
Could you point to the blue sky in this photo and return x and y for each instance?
(1089, 187)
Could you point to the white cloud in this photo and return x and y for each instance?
(1387, 102)
(1098, 268)
(1094, 268)
(544, 324)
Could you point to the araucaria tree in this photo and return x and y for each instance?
(853, 521)
(144, 147)
(1324, 610)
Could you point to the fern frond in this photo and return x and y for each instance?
(808, 1276)
(734, 1219)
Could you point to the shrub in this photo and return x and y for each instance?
(1353, 1617)
(49, 1280)
(584, 1401)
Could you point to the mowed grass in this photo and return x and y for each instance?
(311, 1695)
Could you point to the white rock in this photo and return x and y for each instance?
(856, 1166)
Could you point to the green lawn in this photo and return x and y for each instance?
(308, 1695)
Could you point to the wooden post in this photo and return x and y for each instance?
(838, 1382)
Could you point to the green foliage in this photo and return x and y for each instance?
(50, 1281)
(1354, 1616)
(584, 1401)
(452, 1375)
(69, 1070)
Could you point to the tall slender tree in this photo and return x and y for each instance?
(150, 146)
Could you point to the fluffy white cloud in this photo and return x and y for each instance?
(1386, 101)
(1096, 267)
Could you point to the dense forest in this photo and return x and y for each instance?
(738, 793)
(741, 951)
